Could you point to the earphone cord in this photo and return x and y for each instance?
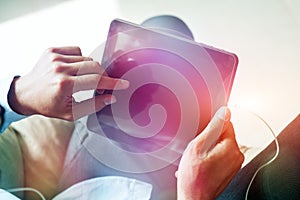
(267, 163)
(21, 189)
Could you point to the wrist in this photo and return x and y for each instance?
(186, 197)
(15, 96)
(191, 197)
(184, 193)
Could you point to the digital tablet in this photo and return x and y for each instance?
(176, 86)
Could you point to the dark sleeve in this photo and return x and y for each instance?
(280, 179)
(7, 114)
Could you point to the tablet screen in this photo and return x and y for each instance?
(176, 86)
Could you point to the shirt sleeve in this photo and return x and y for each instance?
(7, 115)
(7, 196)
(108, 187)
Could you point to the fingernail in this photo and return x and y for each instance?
(123, 84)
(223, 113)
(109, 101)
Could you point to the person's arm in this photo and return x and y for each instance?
(7, 114)
(49, 87)
(210, 161)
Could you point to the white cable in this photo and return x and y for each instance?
(270, 161)
(21, 189)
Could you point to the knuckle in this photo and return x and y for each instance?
(239, 156)
(96, 79)
(96, 65)
(88, 59)
(58, 67)
(54, 57)
(195, 147)
(64, 83)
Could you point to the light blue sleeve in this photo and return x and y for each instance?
(7, 196)
(7, 114)
(108, 187)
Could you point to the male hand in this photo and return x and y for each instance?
(210, 160)
(59, 73)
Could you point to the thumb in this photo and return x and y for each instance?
(210, 135)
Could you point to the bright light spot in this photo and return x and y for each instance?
(253, 104)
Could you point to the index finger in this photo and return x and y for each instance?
(71, 50)
(96, 81)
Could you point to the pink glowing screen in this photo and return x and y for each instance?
(176, 85)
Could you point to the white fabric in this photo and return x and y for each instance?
(7, 196)
(108, 187)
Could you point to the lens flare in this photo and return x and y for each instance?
(176, 86)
